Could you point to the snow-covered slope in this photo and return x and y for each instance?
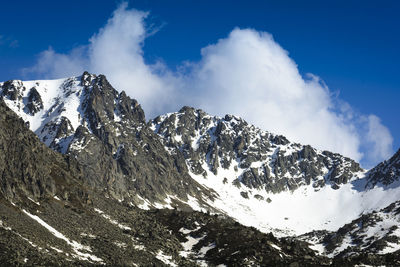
(264, 180)
(376, 232)
(249, 156)
(298, 212)
(46, 106)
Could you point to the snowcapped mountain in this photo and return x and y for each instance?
(374, 233)
(257, 174)
(55, 109)
(386, 173)
(256, 158)
(87, 119)
(50, 217)
(190, 160)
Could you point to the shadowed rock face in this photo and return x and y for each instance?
(27, 167)
(386, 172)
(120, 152)
(13, 90)
(35, 102)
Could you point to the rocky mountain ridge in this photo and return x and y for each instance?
(190, 160)
(85, 116)
(385, 173)
(259, 159)
(48, 217)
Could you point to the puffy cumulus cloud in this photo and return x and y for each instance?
(246, 74)
(116, 51)
(379, 140)
(250, 75)
(52, 65)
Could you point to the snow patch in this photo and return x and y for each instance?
(4, 227)
(204, 250)
(165, 258)
(77, 247)
(294, 213)
(123, 227)
(37, 203)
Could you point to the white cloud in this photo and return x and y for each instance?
(250, 75)
(246, 74)
(117, 52)
(379, 139)
(52, 65)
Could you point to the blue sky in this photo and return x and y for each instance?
(353, 46)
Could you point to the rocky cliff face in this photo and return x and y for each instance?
(256, 158)
(386, 173)
(105, 131)
(374, 237)
(27, 167)
(130, 159)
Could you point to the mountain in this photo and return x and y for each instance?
(386, 173)
(257, 173)
(105, 131)
(255, 158)
(290, 203)
(48, 217)
(376, 232)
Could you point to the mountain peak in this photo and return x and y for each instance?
(257, 158)
(386, 172)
